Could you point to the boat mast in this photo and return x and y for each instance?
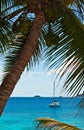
(54, 90)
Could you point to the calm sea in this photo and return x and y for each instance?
(20, 113)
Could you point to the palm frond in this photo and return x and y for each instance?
(67, 47)
(5, 27)
(5, 4)
(5, 34)
(48, 123)
(14, 51)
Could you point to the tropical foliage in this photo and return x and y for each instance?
(51, 124)
(31, 27)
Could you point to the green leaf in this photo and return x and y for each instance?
(5, 35)
(20, 2)
(68, 50)
(21, 25)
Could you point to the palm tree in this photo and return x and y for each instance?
(51, 124)
(33, 25)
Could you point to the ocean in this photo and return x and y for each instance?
(20, 113)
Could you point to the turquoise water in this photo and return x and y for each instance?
(20, 113)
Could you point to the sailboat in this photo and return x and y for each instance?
(54, 103)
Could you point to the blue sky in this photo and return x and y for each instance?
(38, 81)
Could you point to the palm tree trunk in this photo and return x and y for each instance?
(28, 50)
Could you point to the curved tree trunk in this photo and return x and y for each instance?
(28, 50)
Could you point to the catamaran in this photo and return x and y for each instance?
(54, 103)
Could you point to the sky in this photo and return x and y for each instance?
(37, 81)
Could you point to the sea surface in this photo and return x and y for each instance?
(20, 113)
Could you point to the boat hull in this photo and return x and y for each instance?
(54, 104)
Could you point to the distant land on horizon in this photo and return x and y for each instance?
(37, 96)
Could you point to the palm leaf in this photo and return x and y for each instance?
(5, 34)
(67, 50)
(5, 27)
(14, 51)
(51, 124)
(5, 4)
